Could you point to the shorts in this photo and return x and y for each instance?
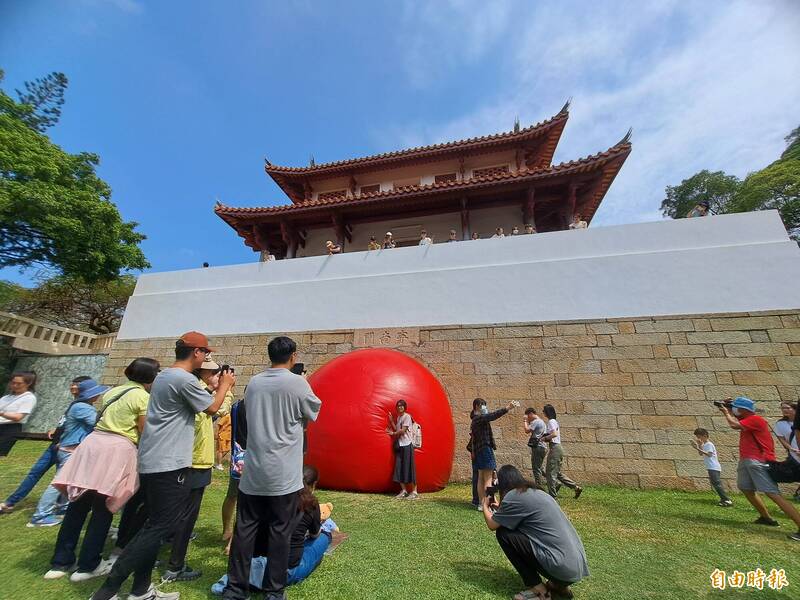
(484, 459)
(753, 476)
(233, 488)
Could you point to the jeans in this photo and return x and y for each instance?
(93, 540)
(475, 499)
(133, 518)
(538, 454)
(166, 495)
(715, 478)
(183, 530)
(52, 501)
(48, 458)
(555, 479)
(313, 551)
(277, 517)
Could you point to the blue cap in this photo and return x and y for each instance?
(745, 403)
(89, 388)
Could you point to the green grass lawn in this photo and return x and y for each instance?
(654, 544)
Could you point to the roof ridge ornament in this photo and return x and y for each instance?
(516, 124)
(266, 162)
(627, 138)
(565, 108)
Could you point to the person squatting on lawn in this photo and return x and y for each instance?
(555, 456)
(79, 421)
(309, 540)
(49, 458)
(165, 459)
(101, 475)
(756, 451)
(708, 451)
(535, 535)
(278, 405)
(483, 444)
(405, 472)
(15, 408)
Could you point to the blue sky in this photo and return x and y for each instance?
(183, 100)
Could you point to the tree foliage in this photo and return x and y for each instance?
(716, 188)
(54, 209)
(71, 302)
(775, 187)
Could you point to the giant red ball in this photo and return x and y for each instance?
(348, 443)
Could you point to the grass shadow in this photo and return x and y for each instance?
(487, 577)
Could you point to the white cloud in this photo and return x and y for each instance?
(705, 85)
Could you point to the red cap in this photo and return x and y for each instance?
(195, 339)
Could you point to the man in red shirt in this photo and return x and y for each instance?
(756, 449)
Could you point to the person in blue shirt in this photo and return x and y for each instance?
(49, 458)
(79, 422)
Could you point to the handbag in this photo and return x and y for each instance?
(785, 471)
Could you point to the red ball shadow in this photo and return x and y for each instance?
(348, 442)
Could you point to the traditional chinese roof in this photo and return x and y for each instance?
(607, 164)
(544, 135)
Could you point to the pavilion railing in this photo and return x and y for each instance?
(33, 334)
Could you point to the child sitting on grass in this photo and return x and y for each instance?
(708, 451)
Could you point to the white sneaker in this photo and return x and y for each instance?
(154, 594)
(401, 495)
(55, 574)
(104, 568)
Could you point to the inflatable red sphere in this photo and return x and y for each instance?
(348, 443)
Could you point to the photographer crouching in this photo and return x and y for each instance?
(756, 452)
(535, 535)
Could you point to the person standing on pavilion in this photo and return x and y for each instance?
(424, 240)
(529, 228)
(578, 223)
(452, 237)
(373, 245)
(388, 241)
(700, 210)
(498, 233)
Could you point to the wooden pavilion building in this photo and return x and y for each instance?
(473, 185)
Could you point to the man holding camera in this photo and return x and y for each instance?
(756, 451)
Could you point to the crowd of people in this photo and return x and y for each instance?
(424, 239)
(146, 448)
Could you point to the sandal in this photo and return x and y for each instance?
(531, 595)
(558, 591)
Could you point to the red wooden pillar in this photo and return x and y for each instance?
(465, 229)
(289, 238)
(528, 213)
(339, 229)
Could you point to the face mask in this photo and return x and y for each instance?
(736, 412)
(484, 410)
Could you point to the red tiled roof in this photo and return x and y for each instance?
(432, 150)
(615, 155)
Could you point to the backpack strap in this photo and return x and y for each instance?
(110, 402)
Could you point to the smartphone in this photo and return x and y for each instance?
(298, 368)
(227, 368)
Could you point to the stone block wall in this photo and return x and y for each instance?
(629, 392)
(54, 374)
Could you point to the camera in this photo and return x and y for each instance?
(224, 368)
(491, 490)
(725, 403)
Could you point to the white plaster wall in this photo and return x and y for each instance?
(729, 263)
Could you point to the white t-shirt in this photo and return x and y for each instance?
(22, 403)
(783, 429)
(405, 420)
(712, 462)
(552, 425)
(793, 445)
(425, 241)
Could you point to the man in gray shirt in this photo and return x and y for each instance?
(277, 405)
(165, 456)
